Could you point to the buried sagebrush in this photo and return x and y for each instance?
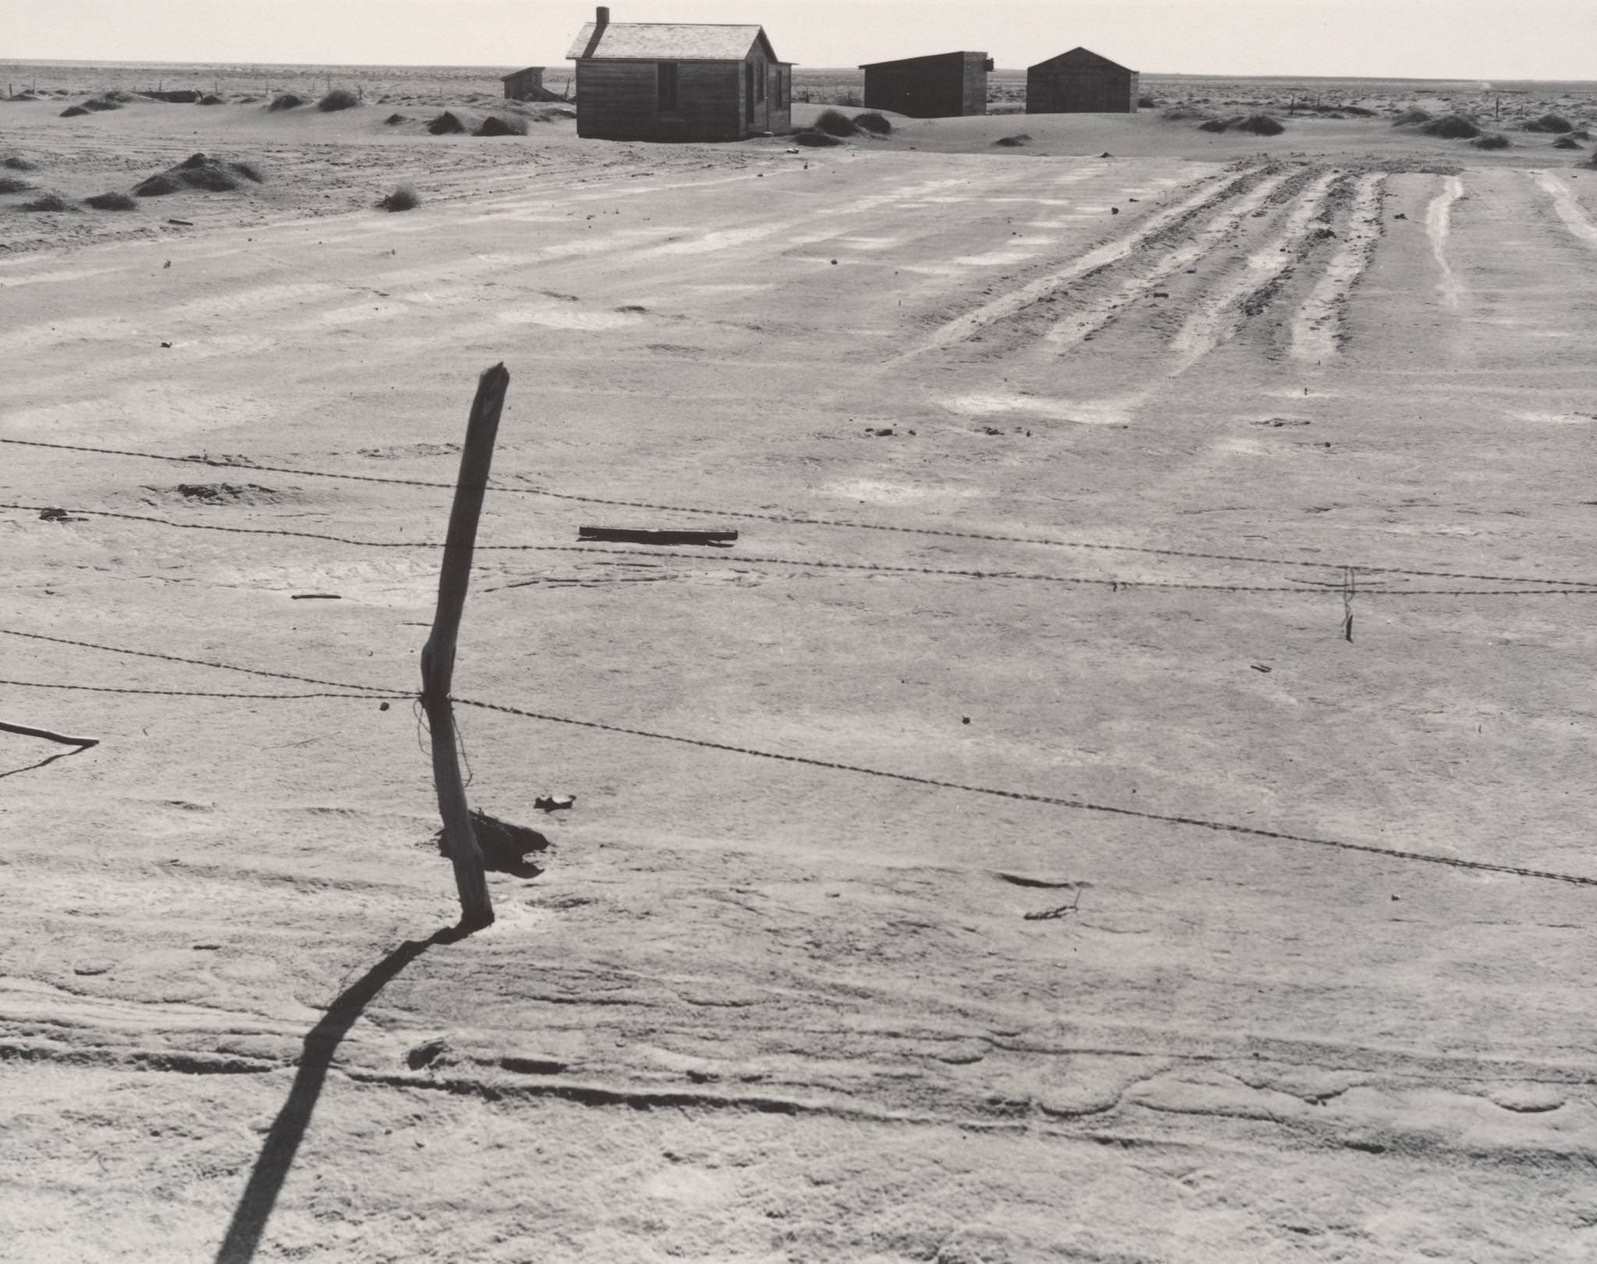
(214, 175)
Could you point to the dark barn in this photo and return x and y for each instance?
(943, 85)
(525, 85)
(679, 81)
(1081, 82)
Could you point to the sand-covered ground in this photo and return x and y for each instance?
(1125, 795)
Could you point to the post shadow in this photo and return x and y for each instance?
(276, 1158)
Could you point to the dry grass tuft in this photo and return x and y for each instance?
(49, 202)
(404, 198)
(338, 99)
(812, 139)
(1452, 127)
(1492, 140)
(1015, 141)
(112, 202)
(836, 123)
(396, 118)
(11, 184)
(17, 163)
(285, 101)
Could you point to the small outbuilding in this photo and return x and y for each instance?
(1081, 82)
(674, 81)
(942, 85)
(525, 85)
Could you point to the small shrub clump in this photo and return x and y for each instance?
(285, 101)
(446, 124)
(1492, 140)
(16, 163)
(338, 99)
(404, 198)
(112, 202)
(836, 123)
(49, 202)
(876, 124)
(210, 98)
(1566, 142)
(1412, 117)
(1452, 127)
(1214, 125)
(73, 111)
(11, 184)
(1181, 113)
(1146, 102)
(1015, 141)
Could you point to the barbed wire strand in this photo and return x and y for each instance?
(205, 693)
(373, 690)
(1094, 581)
(1080, 805)
(794, 520)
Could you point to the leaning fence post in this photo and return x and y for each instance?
(438, 655)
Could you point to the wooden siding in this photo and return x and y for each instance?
(1083, 89)
(944, 85)
(721, 100)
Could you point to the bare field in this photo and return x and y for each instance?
(1125, 795)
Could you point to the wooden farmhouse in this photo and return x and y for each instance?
(1081, 82)
(525, 85)
(942, 85)
(678, 81)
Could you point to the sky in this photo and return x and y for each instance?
(1441, 39)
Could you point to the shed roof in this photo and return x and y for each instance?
(526, 70)
(671, 41)
(1083, 57)
(962, 54)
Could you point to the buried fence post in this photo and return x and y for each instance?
(438, 655)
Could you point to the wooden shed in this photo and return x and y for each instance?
(1081, 82)
(525, 85)
(679, 81)
(941, 85)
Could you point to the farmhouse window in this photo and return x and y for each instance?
(668, 87)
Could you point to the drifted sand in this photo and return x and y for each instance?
(1085, 445)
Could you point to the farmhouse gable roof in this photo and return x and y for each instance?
(670, 41)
